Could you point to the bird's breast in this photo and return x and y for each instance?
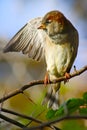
(58, 58)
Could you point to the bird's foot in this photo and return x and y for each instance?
(46, 79)
(67, 76)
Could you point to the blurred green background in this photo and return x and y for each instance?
(17, 69)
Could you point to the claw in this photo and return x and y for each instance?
(46, 79)
(67, 75)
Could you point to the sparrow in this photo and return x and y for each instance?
(54, 38)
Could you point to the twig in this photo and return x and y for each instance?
(56, 121)
(12, 121)
(39, 82)
(20, 115)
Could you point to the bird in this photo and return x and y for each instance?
(54, 38)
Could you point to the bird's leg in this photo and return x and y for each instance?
(67, 75)
(46, 78)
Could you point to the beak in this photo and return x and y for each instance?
(43, 26)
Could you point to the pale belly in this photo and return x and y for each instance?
(58, 58)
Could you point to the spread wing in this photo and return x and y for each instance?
(30, 40)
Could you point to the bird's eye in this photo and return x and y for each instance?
(48, 21)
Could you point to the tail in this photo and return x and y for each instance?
(51, 97)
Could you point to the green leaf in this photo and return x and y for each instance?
(74, 104)
(50, 114)
(69, 107)
(85, 97)
(60, 111)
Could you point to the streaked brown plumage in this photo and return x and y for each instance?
(52, 37)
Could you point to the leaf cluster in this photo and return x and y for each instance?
(71, 106)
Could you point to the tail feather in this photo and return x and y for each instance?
(53, 102)
(51, 97)
(47, 96)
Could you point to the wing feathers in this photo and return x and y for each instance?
(30, 40)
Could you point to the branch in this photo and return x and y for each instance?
(56, 121)
(39, 82)
(12, 121)
(20, 115)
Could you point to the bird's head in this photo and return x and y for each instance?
(54, 22)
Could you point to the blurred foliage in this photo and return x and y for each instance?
(73, 125)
